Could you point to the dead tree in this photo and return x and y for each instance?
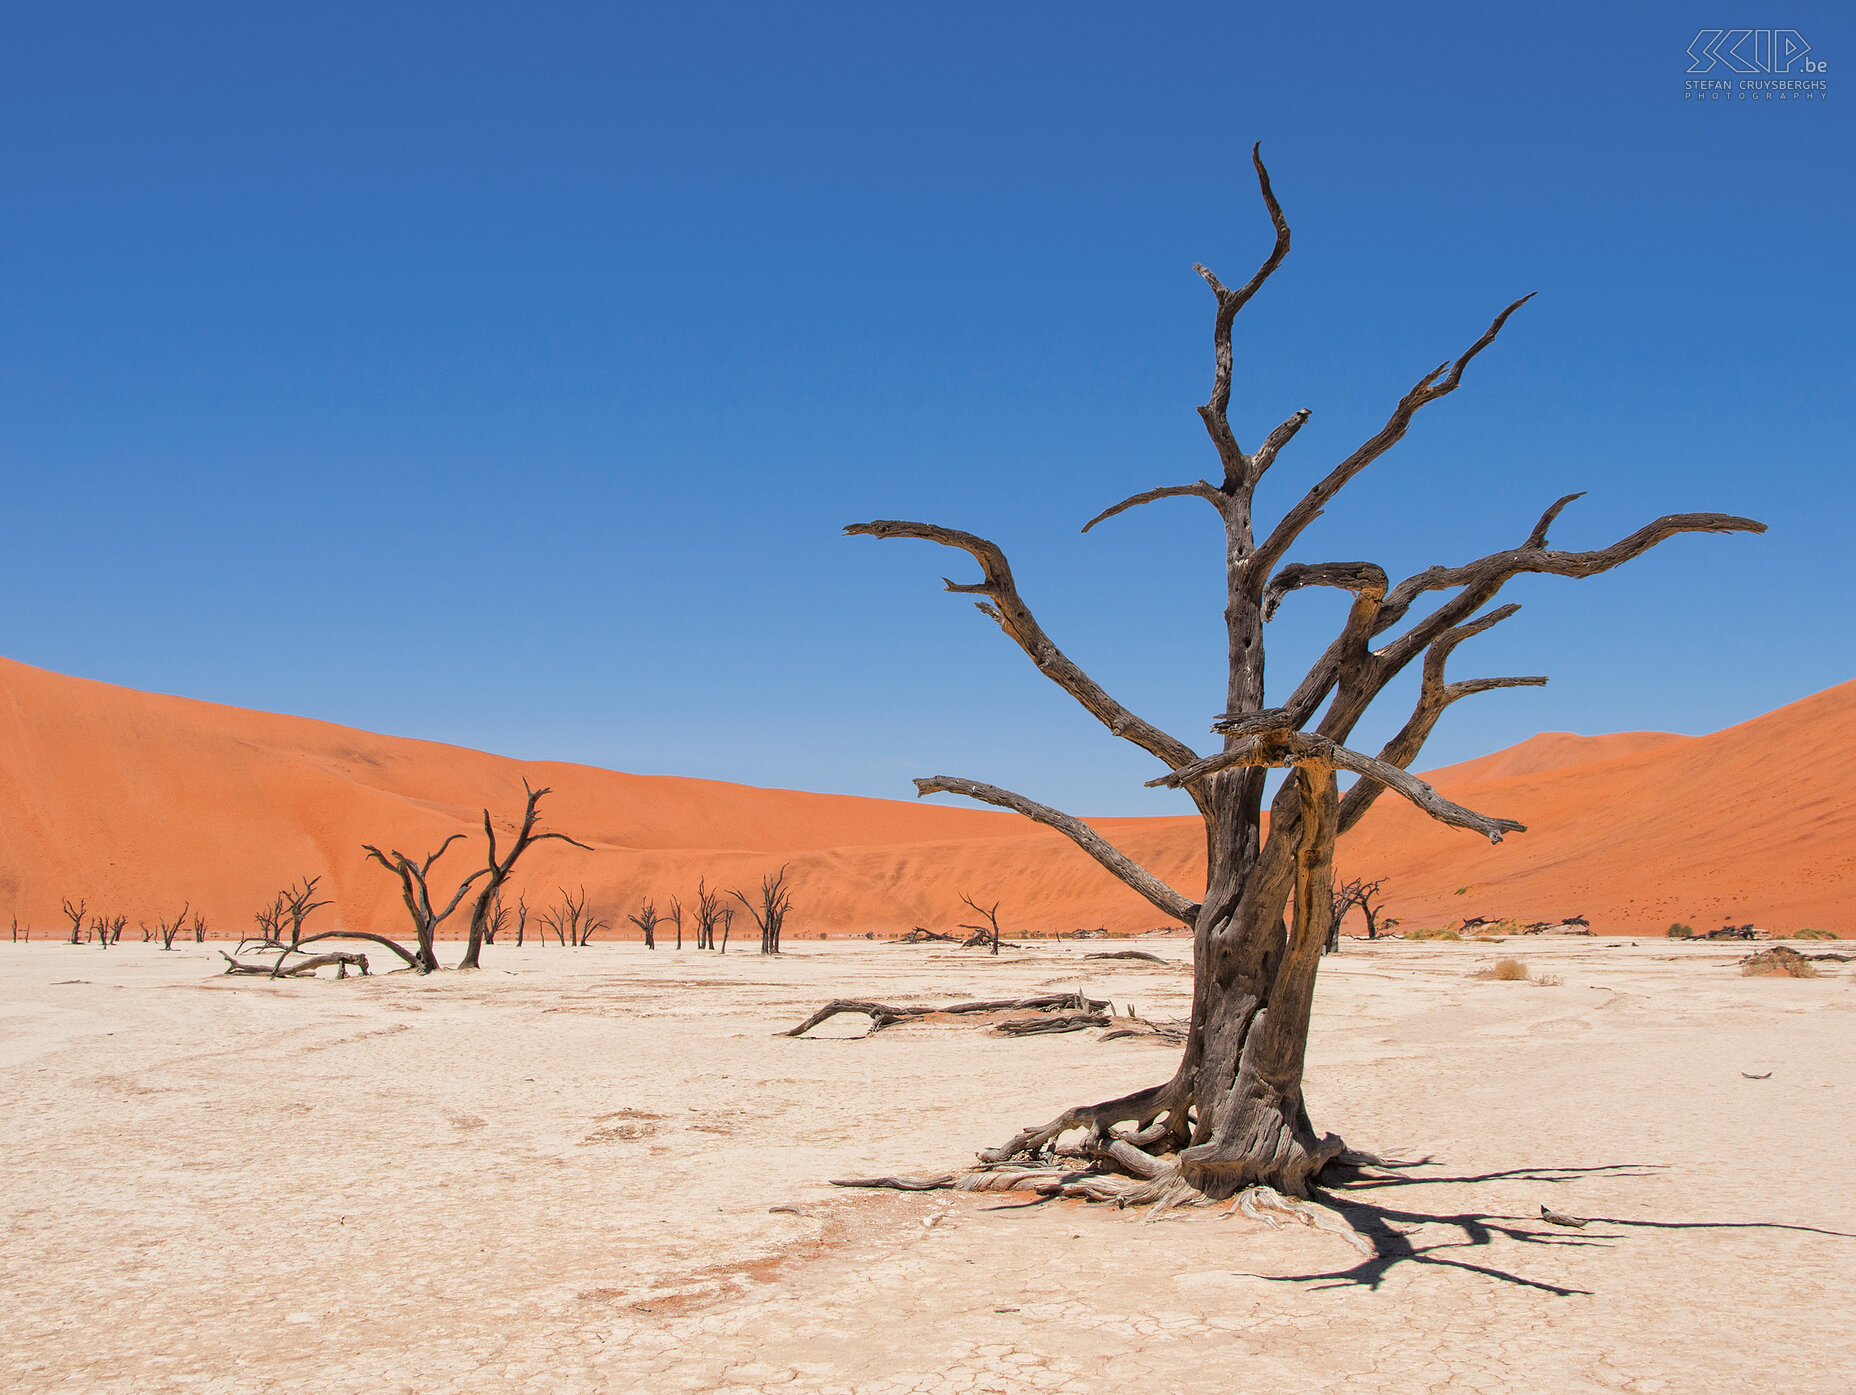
(708, 914)
(676, 918)
(726, 919)
(270, 920)
(496, 921)
(496, 871)
(295, 906)
(169, 930)
(76, 913)
(776, 900)
(1365, 895)
(418, 898)
(522, 919)
(1232, 1114)
(590, 924)
(647, 919)
(987, 934)
(199, 928)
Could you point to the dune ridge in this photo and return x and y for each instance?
(139, 801)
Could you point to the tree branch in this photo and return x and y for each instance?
(1198, 488)
(1318, 754)
(1439, 382)
(1014, 617)
(1238, 469)
(1133, 874)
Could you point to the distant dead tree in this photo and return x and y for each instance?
(987, 934)
(270, 921)
(297, 907)
(726, 919)
(570, 921)
(1232, 1115)
(647, 919)
(116, 928)
(775, 902)
(199, 928)
(676, 918)
(169, 929)
(708, 914)
(496, 871)
(16, 932)
(496, 921)
(522, 919)
(418, 898)
(76, 913)
(1365, 895)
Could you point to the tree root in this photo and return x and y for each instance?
(883, 1015)
(1156, 1184)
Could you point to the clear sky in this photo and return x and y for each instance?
(503, 375)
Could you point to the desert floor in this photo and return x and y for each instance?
(558, 1174)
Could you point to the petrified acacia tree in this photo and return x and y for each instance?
(1365, 895)
(486, 910)
(987, 934)
(776, 902)
(1232, 1114)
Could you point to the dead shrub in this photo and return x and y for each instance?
(1435, 932)
(1678, 931)
(1778, 962)
(1503, 971)
(1809, 934)
(1546, 980)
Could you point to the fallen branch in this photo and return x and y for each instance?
(1035, 1026)
(1127, 954)
(883, 1015)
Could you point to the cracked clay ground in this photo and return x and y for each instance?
(556, 1175)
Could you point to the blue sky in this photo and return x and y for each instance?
(504, 375)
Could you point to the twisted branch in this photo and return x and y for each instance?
(1005, 606)
(1157, 892)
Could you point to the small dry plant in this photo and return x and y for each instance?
(1433, 933)
(1809, 934)
(1778, 962)
(1504, 971)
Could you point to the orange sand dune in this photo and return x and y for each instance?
(139, 802)
(1754, 823)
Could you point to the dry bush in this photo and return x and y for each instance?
(1678, 931)
(1546, 980)
(1503, 970)
(1815, 935)
(1778, 962)
(1433, 933)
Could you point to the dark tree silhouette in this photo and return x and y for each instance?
(775, 902)
(708, 914)
(647, 919)
(1233, 1114)
(987, 934)
(496, 871)
(76, 914)
(1365, 895)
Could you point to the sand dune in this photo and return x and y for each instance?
(139, 802)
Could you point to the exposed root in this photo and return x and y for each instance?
(1156, 1185)
(1127, 954)
(883, 1015)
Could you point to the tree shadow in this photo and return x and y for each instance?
(1393, 1231)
